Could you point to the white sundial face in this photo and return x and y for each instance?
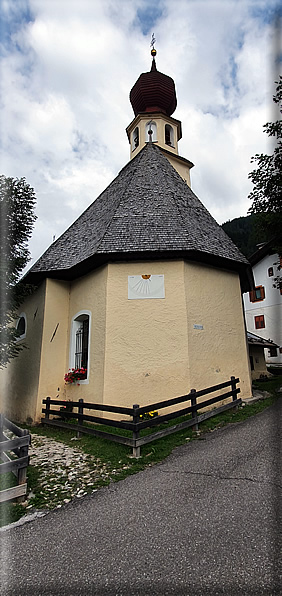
(145, 286)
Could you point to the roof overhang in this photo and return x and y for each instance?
(84, 267)
(255, 340)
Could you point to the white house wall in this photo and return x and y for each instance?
(270, 307)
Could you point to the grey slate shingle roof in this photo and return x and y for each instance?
(148, 208)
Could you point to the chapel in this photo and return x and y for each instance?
(143, 291)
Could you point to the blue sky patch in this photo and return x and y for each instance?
(14, 15)
(148, 15)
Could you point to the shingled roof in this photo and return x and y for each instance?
(147, 212)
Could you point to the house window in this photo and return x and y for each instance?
(80, 341)
(257, 294)
(272, 352)
(169, 135)
(259, 322)
(81, 345)
(135, 138)
(21, 326)
(151, 131)
(270, 272)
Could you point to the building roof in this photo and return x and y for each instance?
(147, 212)
(256, 340)
(265, 249)
(153, 92)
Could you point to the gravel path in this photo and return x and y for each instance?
(65, 472)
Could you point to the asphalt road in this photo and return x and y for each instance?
(205, 521)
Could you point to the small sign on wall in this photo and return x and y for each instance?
(141, 287)
(198, 326)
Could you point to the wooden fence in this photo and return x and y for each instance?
(137, 424)
(17, 464)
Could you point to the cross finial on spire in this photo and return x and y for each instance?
(153, 51)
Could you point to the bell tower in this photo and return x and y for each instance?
(153, 99)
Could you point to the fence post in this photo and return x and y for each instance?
(135, 434)
(23, 452)
(194, 409)
(1, 427)
(80, 418)
(47, 413)
(233, 387)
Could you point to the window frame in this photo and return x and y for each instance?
(151, 124)
(169, 128)
(75, 325)
(259, 319)
(135, 138)
(252, 294)
(23, 335)
(271, 353)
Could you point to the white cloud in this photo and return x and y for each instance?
(67, 70)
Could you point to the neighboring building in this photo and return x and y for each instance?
(263, 305)
(257, 347)
(143, 290)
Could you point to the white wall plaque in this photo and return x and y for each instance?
(145, 286)
(198, 326)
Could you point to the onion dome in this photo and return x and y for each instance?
(153, 92)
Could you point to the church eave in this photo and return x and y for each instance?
(100, 259)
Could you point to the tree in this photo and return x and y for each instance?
(267, 180)
(243, 232)
(17, 201)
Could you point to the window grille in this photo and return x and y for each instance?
(81, 345)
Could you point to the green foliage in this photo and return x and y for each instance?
(17, 201)
(246, 232)
(266, 195)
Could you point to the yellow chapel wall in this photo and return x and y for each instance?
(53, 361)
(160, 120)
(19, 380)
(153, 351)
(219, 350)
(146, 355)
(181, 167)
(89, 293)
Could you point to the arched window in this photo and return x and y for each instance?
(169, 135)
(151, 131)
(135, 138)
(21, 326)
(80, 341)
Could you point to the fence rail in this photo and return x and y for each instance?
(137, 424)
(17, 464)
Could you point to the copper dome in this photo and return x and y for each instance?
(153, 92)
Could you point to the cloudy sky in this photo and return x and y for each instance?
(67, 67)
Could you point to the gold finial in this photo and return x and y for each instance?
(153, 51)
